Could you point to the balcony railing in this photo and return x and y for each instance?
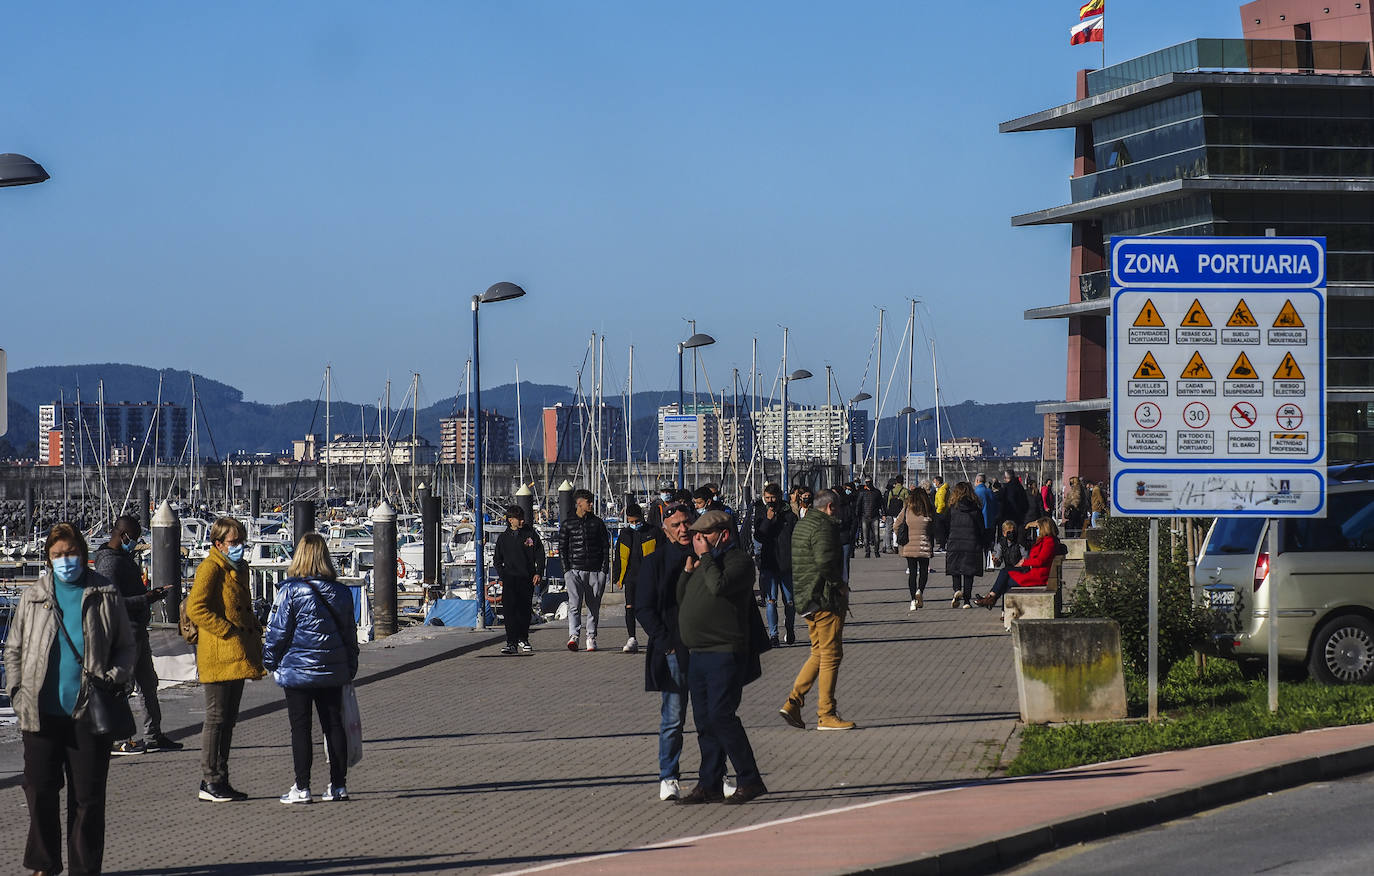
(1240, 56)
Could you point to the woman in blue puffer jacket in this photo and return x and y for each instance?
(312, 652)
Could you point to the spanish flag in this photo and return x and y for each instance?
(1089, 9)
(1089, 31)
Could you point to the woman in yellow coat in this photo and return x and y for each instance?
(228, 650)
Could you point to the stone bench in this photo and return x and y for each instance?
(1036, 602)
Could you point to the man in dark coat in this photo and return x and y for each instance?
(584, 546)
(870, 507)
(665, 657)
(519, 562)
(1014, 502)
(773, 531)
(115, 560)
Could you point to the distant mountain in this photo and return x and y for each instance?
(229, 423)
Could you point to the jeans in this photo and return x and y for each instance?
(672, 720)
(1097, 519)
(517, 597)
(584, 587)
(822, 667)
(963, 584)
(63, 749)
(774, 586)
(716, 680)
(1002, 584)
(871, 543)
(146, 679)
(222, 700)
(328, 702)
(917, 573)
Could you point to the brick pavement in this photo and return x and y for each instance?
(477, 762)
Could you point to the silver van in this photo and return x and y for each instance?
(1324, 575)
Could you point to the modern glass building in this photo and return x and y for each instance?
(1230, 137)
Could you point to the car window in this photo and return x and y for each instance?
(1348, 526)
(1234, 535)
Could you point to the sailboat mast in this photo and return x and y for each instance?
(327, 434)
(935, 374)
(910, 372)
(414, 424)
(629, 423)
(754, 411)
(519, 431)
(468, 435)
(600, 421)
(877, 393)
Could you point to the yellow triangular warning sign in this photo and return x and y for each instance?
(1196, 315)
(1288, 369)
(1242, 370)
(1288, 317)
(1149, 369)
(1149, 316)
(1196, 369)
(1241, 317)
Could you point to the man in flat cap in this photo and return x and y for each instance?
(715, 598)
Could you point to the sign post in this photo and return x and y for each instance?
(1218, 384)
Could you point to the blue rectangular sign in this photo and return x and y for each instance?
(1235, 263)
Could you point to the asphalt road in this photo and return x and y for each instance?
(1311, 830)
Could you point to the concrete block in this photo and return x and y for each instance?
(1076, 548)
(1030, 603)
(1068, 670)
(1095, 538)
(1097, 563)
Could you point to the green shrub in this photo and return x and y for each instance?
(1124, 597)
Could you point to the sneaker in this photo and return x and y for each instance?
(913, 606)
(129, 746)
(158, 742)
(834, 722)
(296, 795)
(791, 713)
(508, 648)
(773, 640)
(954, 603)
(591, 644)
(572, 643)
(234, 793)
(920, 600)
(669, 789)
(631, 646)
(525, 648)
(966, 605)
(332, 793)
(216, 793)
(789, 639)
(728, 786)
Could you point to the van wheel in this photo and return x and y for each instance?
(1343, 651)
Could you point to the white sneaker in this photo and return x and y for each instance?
(631, 646)
(966, 605)
(333, 793)
(728, 787)
(913, 606)
(591, 644)
(954, 603)
(525, 648)
(669, 789)
(296, 795)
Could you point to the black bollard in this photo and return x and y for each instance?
(524, 497)
(431, 512)
(383, 571)
(29, 520)
(565, 501)
(255, 503)
(302, 519)
(144, 499)
(166, 558)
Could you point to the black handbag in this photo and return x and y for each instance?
(107, 705)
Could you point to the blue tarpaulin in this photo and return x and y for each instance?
(457, 613)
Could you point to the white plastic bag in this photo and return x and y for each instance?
(353, 725)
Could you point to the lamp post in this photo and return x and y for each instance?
(799, 374)
(849, 425)
(696, 340)
(498, 292)
(15, 170)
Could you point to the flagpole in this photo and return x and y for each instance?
(1104, 36)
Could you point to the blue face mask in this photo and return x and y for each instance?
(665, 496)
(129, 544)
(235, 553)
(67, 569)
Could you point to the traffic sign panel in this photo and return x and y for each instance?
(1173, 301)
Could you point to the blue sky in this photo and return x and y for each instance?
(254, 190)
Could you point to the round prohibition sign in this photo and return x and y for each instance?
(1288, 416)
(1148, 415)
(1243, 415)
(1196, 415)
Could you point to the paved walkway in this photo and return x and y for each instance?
(479, 763)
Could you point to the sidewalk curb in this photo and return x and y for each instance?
(1000, 852)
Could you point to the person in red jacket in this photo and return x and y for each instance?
(1035, 571)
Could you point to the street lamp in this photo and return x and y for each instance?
(498, 292)
(15, 170)
(849, 425)
(697, 340)
(799, 374)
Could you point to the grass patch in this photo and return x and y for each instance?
(1210, 708)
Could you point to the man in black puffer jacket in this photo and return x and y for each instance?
(584, 545)
(519, 561)
(115, 560)
(870, 507)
